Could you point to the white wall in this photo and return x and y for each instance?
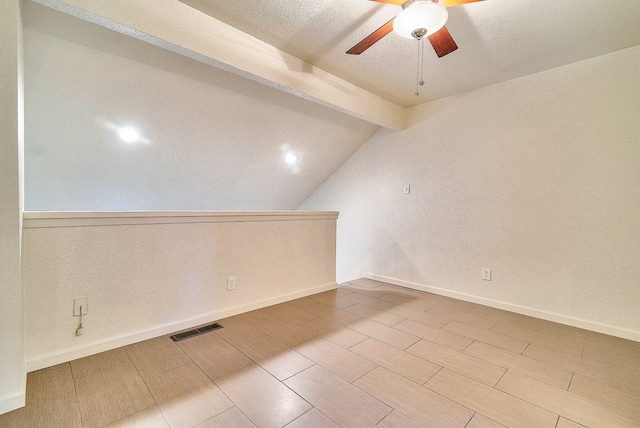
(536, 178)
(147, 274)
(216, 139)
(12, 368)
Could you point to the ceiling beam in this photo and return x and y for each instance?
(174, 26)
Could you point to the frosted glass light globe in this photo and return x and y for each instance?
(430, 16)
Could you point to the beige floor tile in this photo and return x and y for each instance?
(30, 416)
(345, 404)
(314, 418)
(396, 419)
(569, 346)
(50, 389)
(364, 283)
(500, 340)
(277, 359)
(331, 297)
(15, 418)
(610, 350)
(435, 335)
(303, 302)
(419, 303)
(383, 333)
(236, 331)
(151, 417)
(565, 332)
(542, 371)
(447, 303)
(97, 362)
(214, 355)
(492, 403)
(62, 417)
(262, 398)
(564, 403)
(566, 423)
(376, 292)
(479, 421)
(463, 317)
(463, 364)
(417, 402)
(333, 314)
(510, 318)
(232, 418)
(290, 313)
(343, 302)
(420, 315)
(612, 375)
(339, 361)
(397, 299)
(333, 332)
(623, 402)
(187, 396)
(284, 332)
(156, 356)
(111, 394)
(400, 362)
(374, 314)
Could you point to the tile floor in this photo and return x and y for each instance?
(367, 354)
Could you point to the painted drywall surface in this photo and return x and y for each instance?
(12, 373)
(536, 178)
(216, 140)
(148, 278)
(345, 191)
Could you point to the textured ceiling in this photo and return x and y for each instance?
(499, 40)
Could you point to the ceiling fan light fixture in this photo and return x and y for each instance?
(420, 15)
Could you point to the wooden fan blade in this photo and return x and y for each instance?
(372, 38)
(396, 2)
(451, 3)
(442, 42)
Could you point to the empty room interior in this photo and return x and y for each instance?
(338, 213)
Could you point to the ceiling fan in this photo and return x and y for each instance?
(417, 19)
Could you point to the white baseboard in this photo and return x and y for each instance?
(42, 361)
(537, 313)
(13, 401)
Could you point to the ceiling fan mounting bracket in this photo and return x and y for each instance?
(419, 33)
(410, 2)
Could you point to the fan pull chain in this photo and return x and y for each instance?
(420, 71)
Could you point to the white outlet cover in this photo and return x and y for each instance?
(80, 302)
(231, 283)
(486, 274)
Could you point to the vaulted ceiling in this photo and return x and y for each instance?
(299, 47)
(498, 39)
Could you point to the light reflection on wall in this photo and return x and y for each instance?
(290, 158)
(127, 134)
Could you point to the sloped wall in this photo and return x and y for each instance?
(536, 178)
(210, 140)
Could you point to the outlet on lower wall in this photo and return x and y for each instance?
(231, 283)
(80, 305)
(486, 274)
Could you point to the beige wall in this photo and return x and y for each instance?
(12, 374)
(536, 178)
(151, 274)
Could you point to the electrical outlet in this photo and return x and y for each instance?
(79, 303)
(486, 274)
(231, 283)
(406, 189)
